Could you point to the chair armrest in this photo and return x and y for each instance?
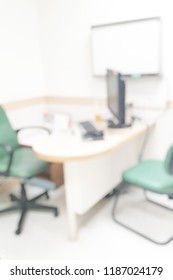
(34, 127)
(9, 150)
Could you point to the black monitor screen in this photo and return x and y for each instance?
(116, 95)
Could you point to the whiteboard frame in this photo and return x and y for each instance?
(132, 21)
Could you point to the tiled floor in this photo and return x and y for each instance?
(99, 238)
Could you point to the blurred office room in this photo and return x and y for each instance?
(86, 112)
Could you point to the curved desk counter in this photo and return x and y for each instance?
(91, 168)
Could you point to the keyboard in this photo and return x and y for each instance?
(90, 131)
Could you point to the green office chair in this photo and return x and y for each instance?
(20, 162)
(151, 175)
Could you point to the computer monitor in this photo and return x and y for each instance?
(116, 98)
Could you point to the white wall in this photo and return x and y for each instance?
(58, 61)
(66, 43)
(67, 51)
(20, 50)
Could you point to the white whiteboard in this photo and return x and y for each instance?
(131, 47)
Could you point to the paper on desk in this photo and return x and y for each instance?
(61, 122)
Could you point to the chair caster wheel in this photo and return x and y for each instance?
(56, 213)
(18, 231)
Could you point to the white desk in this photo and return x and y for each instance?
(91, 169)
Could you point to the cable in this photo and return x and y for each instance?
(166, 107)
(148, 128)
(147, 134)
(145, 141)
(168, 94)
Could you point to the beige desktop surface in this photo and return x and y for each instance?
(60, 147)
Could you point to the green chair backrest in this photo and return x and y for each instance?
(7, 134)
(168, 163)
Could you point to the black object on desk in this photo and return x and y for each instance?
(112, 124)
(90, 132)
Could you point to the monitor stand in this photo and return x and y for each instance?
(111, 124)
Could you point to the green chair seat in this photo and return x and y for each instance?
(150, 175)
(24, 164)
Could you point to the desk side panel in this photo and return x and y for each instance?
(88, 181)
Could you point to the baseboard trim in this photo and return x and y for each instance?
(53, 100)
(23, 103)
(81, 101)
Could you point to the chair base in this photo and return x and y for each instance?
(117, 194)
(120, 188)
(24, 205)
